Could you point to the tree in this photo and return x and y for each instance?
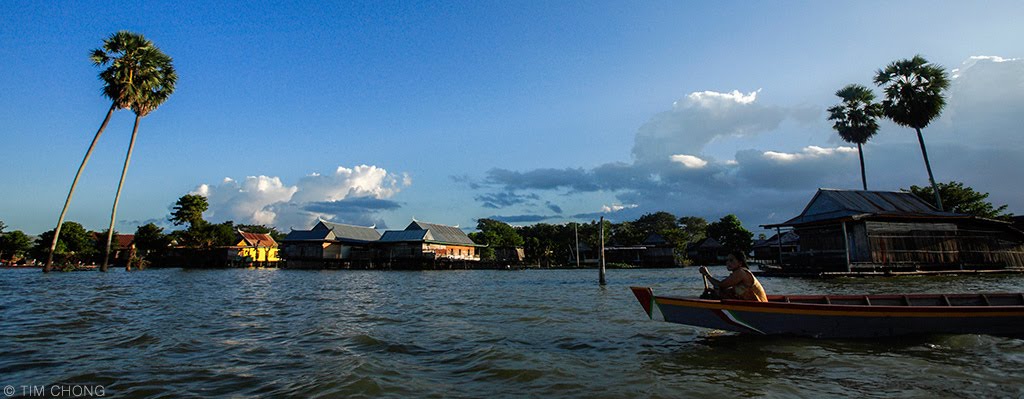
(694, 227)
(150, 80)
(150, 237)
(189, 209)
(856, 119)
(2, 226)
(76, 244)
(14, 244)
(118, 50)
(494, 233)
(961, 199)
(913, 98)
(730, 233)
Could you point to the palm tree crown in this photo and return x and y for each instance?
(913, 91)
(856, 118)
(132, 63)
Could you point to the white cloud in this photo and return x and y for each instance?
(811, 151)
(699, 118)
(617, 207)
(709, 99)
(245, 201)
(267, 200)
(689, 161)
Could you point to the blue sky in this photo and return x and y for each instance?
(522, 110)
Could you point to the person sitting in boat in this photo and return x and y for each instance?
(741, 284)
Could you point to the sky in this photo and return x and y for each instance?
(378, 113)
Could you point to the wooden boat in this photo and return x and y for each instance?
(849, 316)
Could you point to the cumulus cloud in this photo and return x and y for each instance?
(976, 140)
(246, 201)
(689, 161)
(352, 195)
(699, 118)
(617, 207)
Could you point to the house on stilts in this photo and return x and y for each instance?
(884, 231)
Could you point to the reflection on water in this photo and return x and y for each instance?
(280, 333)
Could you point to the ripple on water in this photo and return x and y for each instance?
(299, 334)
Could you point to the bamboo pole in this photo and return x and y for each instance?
(602, 280)
(846, 246)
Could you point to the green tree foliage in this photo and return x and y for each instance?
(495, 233)
(913, 98)
(730, 232)
(3, 226)
(76, 244)
(694, 227)
(189, 209)
(150, 237)
(856, 119)
(963, 199)
(14, 245)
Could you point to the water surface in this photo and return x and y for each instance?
(542, 333)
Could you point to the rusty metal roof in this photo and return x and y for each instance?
(832, 204)
(258, 240)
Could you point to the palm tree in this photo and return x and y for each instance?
(856, 119)
(153, 84)
(913, 98)
(120, 51)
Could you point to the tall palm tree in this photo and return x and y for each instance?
(120, 51)
(913, 98)
(856, 119)
(153, 84)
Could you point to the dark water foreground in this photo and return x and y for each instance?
(279, 333)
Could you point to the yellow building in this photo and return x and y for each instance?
(254, 247)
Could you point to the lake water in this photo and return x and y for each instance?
(538, 333)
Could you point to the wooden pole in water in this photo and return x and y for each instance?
(778, 236)
(602, 281)
(576, 229)
(846, 246)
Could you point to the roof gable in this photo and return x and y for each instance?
(442, 233)
(256, 240)
(830, 204)
(348, 232)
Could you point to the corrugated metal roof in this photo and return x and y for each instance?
(310, 235)
(257, 240)
(829, 204)
(442, 233)
(347, 232)
(405, 235)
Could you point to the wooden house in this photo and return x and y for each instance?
(655, 251)
(706, 252)
(329, 245)
(769, 250)
(855, 230)
(256, 248)
(429, 241)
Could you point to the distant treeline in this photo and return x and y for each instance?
(554, 244)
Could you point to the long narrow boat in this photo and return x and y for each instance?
(850, 316)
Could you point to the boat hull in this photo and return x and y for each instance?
(826, 320)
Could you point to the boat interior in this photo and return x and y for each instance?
(905, 300)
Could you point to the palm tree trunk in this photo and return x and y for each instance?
(928, 165)
(63, 212)
(863, 176)
(117, 197)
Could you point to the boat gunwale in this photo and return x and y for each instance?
(850, 309)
